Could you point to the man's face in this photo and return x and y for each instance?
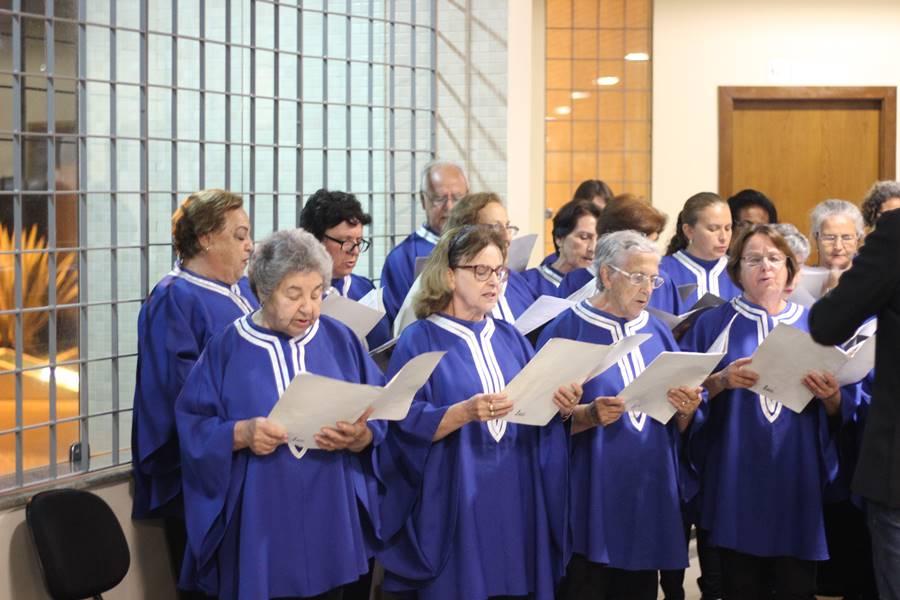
(448, 185)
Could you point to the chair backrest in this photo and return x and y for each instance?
(79, 541)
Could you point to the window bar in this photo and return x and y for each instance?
(433, 79)
(202, 155)
(325, 105)
(18, 92)
(412, 105)
(49, 37)
(392, 159)
(83, 377)
(145, 152)
(276, 137)
(174, 108)
(113, 229)
(228, 105)
(348, 91)
(300, 121)
(252, 178)
(370, 127)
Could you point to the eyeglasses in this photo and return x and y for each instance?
(442, 200)
(512, 229)
(641, 279)
(349, 246)
(776, 261)
(483, 272)
(831, 239)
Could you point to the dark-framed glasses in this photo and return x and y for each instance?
(349, 246)
(641, 279)
(436, 200)
(483, 272)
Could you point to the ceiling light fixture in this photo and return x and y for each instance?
(637, 56)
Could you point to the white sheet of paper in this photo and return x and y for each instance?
(312, 402)
(520, 251)
(648, 392)
(558, 362)
(684, 291)
(394, 402)
(544, 309)
(358, 317)
(584, 292)
(406, 315)
(420, 264)
(862, 360)
(671, 321)
(720, 344)
(812, 279)
(801, 296)
(618, 352)
(374, 299)
(783, 359)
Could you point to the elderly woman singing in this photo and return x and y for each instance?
(475, 506)
(265, 519)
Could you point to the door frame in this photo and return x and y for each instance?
(884, 97)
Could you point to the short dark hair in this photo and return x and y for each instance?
(878, 194)
(566, 218)
(326, 209)
(631, 214)
(737, 250)
(749, 198)
(589, 188)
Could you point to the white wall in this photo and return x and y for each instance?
(149, 576)
(699, 45)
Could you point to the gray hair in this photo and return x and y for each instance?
(283, 253)
(612, 249)
(877, 195)
(425, 188)
(798, 242)
(834, 208)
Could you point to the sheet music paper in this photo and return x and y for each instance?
(559, 362)
(543, 310)
(685, 291)
(648, 392)
(355, 315)
(312, 402)
(861, 361)
(420, 264)
(374, 299)
(584, 292)
(520, 251)
(784, 358)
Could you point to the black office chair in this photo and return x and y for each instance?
(79, 541)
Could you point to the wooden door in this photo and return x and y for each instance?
(800, 146)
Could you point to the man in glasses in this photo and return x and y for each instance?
(443, 184)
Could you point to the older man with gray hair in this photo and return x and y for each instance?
(443, 184)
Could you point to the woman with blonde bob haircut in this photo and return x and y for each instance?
(474, 506)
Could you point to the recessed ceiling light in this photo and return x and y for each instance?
(637, 56)
(580, 95)
(607, 80)
(563, 110)
(549, 118)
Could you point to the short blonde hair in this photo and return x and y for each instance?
(456, 246)
(200, 214)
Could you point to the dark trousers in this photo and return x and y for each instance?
(176, 540)
(362, 587)
(335, 594)
(415, 596)
(710, 581)
(748, 577)
(848, 573)
(586, 580)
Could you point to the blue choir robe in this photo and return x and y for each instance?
(681, 268)
(297, 522)
(516, 298)
(763, 467)
(550, 259)
(574, 281)
(543, 280)
(481, 512)
(626, 479)
(176, 321)
(355, 287)
(399, 270)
